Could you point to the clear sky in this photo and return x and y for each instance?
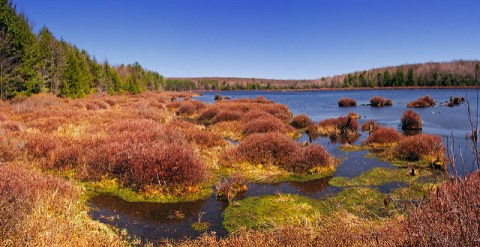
(283, 39)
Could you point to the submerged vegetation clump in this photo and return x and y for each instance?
(347, 102)
(378, 101)
(411, 121)
(421, 102)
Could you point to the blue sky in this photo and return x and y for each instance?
(283, 39)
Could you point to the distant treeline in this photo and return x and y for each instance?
(32, 63)
(38, 62)
(456, 73)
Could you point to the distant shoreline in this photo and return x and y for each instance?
(343, 89)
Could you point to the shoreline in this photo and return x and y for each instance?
(337, 89)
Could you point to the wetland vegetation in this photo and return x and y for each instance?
(93, 154)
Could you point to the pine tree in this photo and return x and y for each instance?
(410, 78)
(387, 80)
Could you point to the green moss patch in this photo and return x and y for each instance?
(285, 209)
(361, 202)
(378, 176)
(271, 174)
(173, 195)
(271, 211)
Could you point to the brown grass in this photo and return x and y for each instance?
(450, 218)
(343, 231)
(42, 210)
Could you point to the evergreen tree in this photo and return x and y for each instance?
(410, 78)
(399, 79)
(380, 79)
(387, 79)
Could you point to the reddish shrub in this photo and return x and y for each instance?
(347, 102)
(91, 106)
(168, 164)
(11, 126)
(208, 114)
(174, 104)
(347, 123)
(40, 145)
(204, 138)
(110, 102)
(379, 101)
(383, 136)
(3, 117)
(422, 102)
(278, 149)
(411, 121)
(265, 124)
(152, 113)
(186, 108)
(226, 115)
(139, 159)
(415, 147)
(328, 122)
(370, 125)
(180, 124)
(312, 156)
(278, 110)
(255, 114)
(301, 121)
(268, 148)
(102, 105)
(262, 100)
(388, 102)
(198, 104)
(8, 150)
(55, 152)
